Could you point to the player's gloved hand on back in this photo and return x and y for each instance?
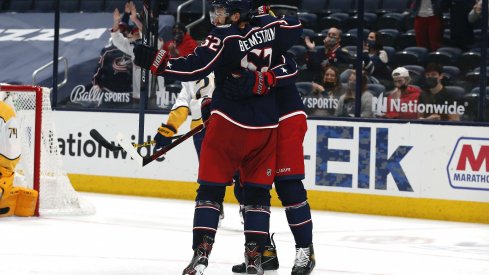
(205, 108)
(247, 83)
(149, 58)
(164, 135)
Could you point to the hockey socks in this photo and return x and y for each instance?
(257, 224)
(206, 215)
(294, 199)
(206, 219)
(257, 215)
(300, 222)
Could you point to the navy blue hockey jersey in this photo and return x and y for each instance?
(228, 49)
(288, 99)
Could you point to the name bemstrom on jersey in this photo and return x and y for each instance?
(258, 37)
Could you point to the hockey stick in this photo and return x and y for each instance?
(126, 146)
(112, 147)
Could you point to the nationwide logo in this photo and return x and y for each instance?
(468, 167)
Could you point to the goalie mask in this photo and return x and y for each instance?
(221, 10)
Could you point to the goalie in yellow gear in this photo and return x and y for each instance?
(10, 151)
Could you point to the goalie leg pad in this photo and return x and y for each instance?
(8, 202)
(26, 202)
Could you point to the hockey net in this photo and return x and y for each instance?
(40, 165)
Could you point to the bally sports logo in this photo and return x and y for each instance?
(468, 167)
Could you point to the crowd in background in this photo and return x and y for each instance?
(420, 59)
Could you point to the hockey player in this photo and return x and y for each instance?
(241, 135)
(9, 150)
(188, 101)
(289, 172)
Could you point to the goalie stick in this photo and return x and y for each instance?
(126, 146)
(112, 147)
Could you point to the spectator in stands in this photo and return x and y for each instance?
(125, 43)
(346, 103)
(476, 13)
(374, 47)
(182, 43)
(324, 97)
(332, 54)
(428, 22)
(401, 101)
(461, 31)
(435, 99)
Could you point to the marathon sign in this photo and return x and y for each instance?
(468, 167)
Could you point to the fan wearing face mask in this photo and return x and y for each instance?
(325, 95)
(332, 54)
(435, 94)
(346, 103)
(182, 43)
(402, 95)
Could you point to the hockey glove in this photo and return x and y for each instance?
(151, 59)
(205, 108)
(246, 83)
(164, 135)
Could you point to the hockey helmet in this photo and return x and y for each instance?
(228, 7)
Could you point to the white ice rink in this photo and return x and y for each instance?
(133, 235)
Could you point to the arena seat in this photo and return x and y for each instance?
(451, 73)
(308, 20)
(390, 52)
(305, 88)
(352, 49)
(376, 89)
(394, 6)
(389, 36)
(345, 6)
(469, 60)
(416, 72)
(369, 21)
(333, 20)
(371, 6)
(406, 39)
(439, 57)
(315, 6)
(472, 99)
(456, 92)
(392, 21)
(299, 53)
(410, 56)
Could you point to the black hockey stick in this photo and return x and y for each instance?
(112, 147)
(172, 145)
(126, 146)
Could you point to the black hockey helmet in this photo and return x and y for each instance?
(244, 7)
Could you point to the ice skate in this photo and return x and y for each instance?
(200, 260)
(269, 260)
(304, 261)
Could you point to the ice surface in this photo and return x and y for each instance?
(134, 235)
